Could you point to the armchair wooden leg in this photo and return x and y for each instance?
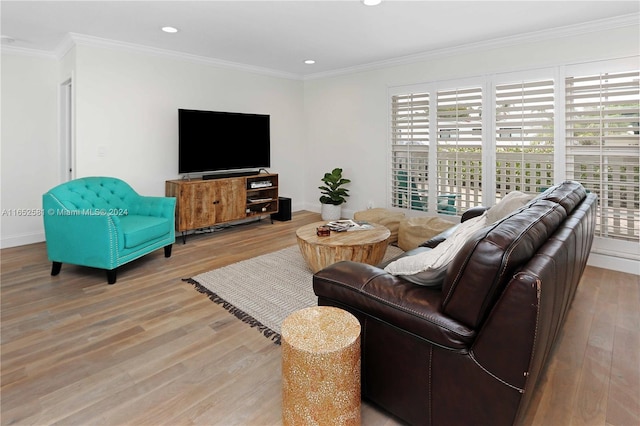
(167, 250)
(111, 275)
(55, 268)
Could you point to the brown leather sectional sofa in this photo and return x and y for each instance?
(471, 352)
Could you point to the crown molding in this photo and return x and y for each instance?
(85, 40)
(23, 51)
(536, 36)
(65, 46)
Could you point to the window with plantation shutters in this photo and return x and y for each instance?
(524, 117)
(457, 144)
(603, 149)
(459, 153)
(410, 150)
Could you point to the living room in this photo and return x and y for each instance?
(126, 99)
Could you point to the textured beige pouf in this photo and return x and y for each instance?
(383, 217)
(414, 231)
(321, 367)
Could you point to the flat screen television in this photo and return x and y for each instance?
(215, 141)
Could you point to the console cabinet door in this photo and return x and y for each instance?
(229, 200)
(197, 201)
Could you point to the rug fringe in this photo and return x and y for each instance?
(238, 313)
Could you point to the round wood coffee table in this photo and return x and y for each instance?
(365, 246)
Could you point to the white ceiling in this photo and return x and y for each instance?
(277, 36)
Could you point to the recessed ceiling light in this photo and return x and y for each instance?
(169, 29)
(371, 2)
(309, 62)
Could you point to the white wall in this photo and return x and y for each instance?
(347, 116)
(126, 115)
(29, 144)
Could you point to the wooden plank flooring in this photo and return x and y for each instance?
(150, 350)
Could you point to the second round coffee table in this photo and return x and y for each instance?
(366, 246)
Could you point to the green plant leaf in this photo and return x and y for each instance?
(332, 190)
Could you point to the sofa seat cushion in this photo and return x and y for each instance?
(141, 229)
(415, 309)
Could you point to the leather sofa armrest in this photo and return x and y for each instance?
(473, 212)
(469, 214)
(362, 288)
(437, 239)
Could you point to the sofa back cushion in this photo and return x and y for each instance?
(487, 261)
(568, 194)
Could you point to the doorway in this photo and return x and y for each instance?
(67, 148)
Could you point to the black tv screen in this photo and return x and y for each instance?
(210, 141)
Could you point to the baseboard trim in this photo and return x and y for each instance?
(614, 263)
(21, 240)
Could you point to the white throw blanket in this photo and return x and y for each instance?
(442, 254)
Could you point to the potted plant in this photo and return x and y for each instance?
(333, 194)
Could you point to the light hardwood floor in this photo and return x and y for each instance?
(150, 350)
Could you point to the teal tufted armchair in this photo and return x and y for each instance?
(102, 222)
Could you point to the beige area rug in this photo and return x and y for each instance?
(264, 290)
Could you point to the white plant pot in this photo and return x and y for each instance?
(331, 212)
